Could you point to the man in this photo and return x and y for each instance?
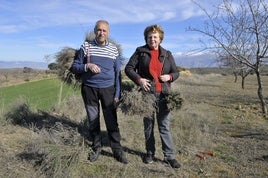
(99, 65)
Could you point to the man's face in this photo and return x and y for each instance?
(102, 33)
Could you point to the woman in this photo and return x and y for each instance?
(153, 68)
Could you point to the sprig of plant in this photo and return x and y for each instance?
(174, 100)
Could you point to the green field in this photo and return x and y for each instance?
(42, 94)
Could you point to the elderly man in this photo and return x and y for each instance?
(99, 65)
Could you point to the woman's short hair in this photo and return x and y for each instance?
(154, 29)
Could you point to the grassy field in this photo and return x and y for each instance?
(42, 94)
(217, 115)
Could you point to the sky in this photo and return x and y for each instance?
(33, 29)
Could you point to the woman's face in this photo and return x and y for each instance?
(153, 40)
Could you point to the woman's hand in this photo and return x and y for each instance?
(93, 68)
(145, 84)
(165, 78)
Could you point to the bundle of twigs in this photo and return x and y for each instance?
(136, 102)
(64, 59)
(133, 102)
(174, 100)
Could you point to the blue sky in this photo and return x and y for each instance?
(32, 29)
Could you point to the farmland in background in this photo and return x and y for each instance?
(41, 94)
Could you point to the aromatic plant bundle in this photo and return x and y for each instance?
(174, 100)
(65, 59)
(135, 102)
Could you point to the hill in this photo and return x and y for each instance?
(203, 60)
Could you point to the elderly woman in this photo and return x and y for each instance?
(153, 68)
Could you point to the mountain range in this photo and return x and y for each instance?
(188, 61)
(22, 64)
(204, 60)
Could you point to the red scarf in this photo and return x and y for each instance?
(155, 68)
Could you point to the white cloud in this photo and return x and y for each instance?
(168, 15)
(8, 28)
(39, 27)
(37, 14)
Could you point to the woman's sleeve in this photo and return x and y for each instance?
(174, 72)
(132, 68)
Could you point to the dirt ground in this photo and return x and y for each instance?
(237, 128)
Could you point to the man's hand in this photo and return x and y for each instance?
(116, 103)
(93, 68)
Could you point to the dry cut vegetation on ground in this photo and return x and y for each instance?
(217, 115)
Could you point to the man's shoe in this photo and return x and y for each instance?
(173, 163)
(94, 155)
(120, 156)
(148, 159)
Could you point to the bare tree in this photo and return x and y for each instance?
(238, 68)
(239, 28)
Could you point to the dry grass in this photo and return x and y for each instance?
(216, 115)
